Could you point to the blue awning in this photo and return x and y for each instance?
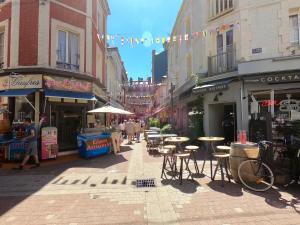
(69, 94)
(17, 92)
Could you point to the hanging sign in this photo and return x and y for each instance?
(67, 84)
(281, 78)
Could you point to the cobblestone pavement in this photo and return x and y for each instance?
(103, 191)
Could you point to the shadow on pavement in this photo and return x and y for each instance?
(187, 186)
(231, 189)
(274, 198)
(16, 186)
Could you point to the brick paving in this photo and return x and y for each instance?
(102, 191)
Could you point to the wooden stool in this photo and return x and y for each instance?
(192, 149)
(222, 163)
(166, 153)
(224, 149)
(184, 157)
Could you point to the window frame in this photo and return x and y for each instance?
(67, 62)
(220, 7)
(2, 56)
(298, 20)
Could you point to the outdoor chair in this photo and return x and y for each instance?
(167, 154)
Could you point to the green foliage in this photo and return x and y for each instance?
(166, 129)
(153, 122)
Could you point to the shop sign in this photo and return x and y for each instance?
(25, 81)
(284, 78)
(98, 91)
(289, 105)
(4, 83)
(20, 82)
(67, 84)
(212, 88)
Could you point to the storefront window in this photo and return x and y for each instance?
(23, 109)
(276, 117)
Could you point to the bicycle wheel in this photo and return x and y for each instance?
(255, 175)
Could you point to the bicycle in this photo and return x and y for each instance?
(255, 174)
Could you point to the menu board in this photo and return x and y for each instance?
(49, 143)
(97, 143)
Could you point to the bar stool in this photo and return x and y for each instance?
(167, 152)
(224, 149)
(193, 149)
(184, 157)
(222, 163)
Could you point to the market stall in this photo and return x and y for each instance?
(93, 145)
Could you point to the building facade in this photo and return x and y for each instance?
(53, 61)
(117, 78)
(159, 66)
(246, 60)
(183, 62)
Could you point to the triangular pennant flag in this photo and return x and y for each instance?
(174, 39)
(108, 37)
(163, 40)
(186, 37)
(168, 39)
(180, 39)
(157, 40)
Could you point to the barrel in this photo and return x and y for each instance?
(239, 153)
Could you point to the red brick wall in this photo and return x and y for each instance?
(5, 14)
(66, 15)
(77, 4)
(28, 37)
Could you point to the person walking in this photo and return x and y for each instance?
(137, 129)
(30, 143)
(129, 127)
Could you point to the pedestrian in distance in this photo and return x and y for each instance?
(30, 140)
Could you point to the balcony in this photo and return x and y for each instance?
(222, 63)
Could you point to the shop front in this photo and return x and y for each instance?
(221, 106)
(274, 114)
(57, 106)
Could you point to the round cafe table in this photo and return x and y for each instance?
(210, 150)
(177, 141)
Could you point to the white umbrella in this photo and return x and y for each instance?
(110, 109)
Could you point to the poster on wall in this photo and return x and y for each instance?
(67, 84)
(49, 143)
(4, 83)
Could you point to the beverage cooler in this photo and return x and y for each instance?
(93, 145)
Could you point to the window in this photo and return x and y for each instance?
(68, 50)
(220, 6)
(294, 29)
(1, 49)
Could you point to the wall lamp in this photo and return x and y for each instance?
(216, 99)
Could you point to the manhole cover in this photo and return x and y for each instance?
(145, 183)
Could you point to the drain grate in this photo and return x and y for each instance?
(145, 183)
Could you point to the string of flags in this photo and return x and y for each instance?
(117, 38)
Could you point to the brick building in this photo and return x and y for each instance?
(52, 54)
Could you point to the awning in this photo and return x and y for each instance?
(212, 87)
(17, 92)
(69, 94)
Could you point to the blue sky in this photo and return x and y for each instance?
(138, 18)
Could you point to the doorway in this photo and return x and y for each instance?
(222, 121)
(69, 120)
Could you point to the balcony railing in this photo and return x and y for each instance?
(67, 66)
(222, 63)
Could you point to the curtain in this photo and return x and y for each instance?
(62, 47)
(73, 51)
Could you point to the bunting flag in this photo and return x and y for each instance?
(117, 38)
